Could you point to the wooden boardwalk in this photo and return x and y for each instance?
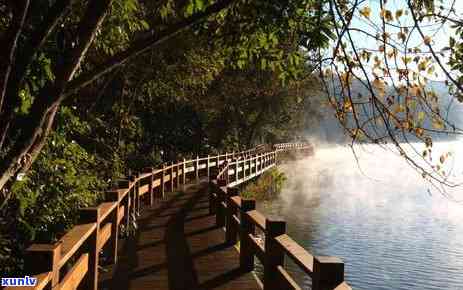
(178, 247)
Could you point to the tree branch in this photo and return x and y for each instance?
(10, 43)
(51, 95)
(142, 45)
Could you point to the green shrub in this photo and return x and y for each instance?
(63, 179)
(267, 186)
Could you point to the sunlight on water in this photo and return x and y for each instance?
(393, 230)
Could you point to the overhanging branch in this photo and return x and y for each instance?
(142, 45)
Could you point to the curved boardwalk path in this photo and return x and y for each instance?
(178, 246)
(185, 240)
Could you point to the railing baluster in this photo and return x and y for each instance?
(172, 176)
(231, 233)
(247, 227)
(114, 219)
(91, 215)
(44, 258)
(274, 256)
(162, 181)
(184, 171)
(197, 168)
(328, 273)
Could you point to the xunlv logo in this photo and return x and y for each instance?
(26, 281)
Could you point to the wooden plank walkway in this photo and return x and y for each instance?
(178, 247)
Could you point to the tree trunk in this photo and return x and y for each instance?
(37, 124)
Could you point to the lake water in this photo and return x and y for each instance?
(391, 229)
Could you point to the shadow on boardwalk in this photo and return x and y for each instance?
(178, 247)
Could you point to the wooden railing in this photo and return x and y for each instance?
(241, 220)
(73, 261)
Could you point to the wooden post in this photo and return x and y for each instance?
(218, 161)
(207, 166)
(212, 201)
(226, 157)
(111, 249)
(247, 227)
(133, 195)
(220, 214)
(91, 215)
(177, 175)
(231, 233)
(236, 171)
(150, 185)
(274, 255)
(172, 176)
(44, 258)
(124, 185)
(184, 171)
(197, 168)
(162, 181)
(328, 273)
(127, 206)
(137, 194)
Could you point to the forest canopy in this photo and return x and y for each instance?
(90, 90)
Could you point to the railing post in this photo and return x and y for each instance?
(247, 227)
(218, 160)
(133, 194)
(177, 175)
(44, 258)
(236, 171)
(274, 255)
(162, 181)
(328, 273)
(184, 171)
(125, 184)
(220, 214)
(211, 192)
(150, 184)
(207, 166)
(197, 168)
(137, 194)
(172, 176)
(91, 215)
(114, 219)
(231, 233)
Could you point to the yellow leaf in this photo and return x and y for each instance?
(399, 13)
(366, 12)
(427, 40)
(419, 132)
(421, 116)
(422, 66)
(430, 70)
(442, 159)
(380, 86)
(402, 36)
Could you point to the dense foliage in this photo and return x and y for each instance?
(266, 187)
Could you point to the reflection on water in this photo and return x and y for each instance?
(389, 230)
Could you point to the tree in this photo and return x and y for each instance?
(66, 66)
(379, 76)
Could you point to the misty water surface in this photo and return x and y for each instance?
(389, 230)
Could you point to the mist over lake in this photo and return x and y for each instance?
(390, 227)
